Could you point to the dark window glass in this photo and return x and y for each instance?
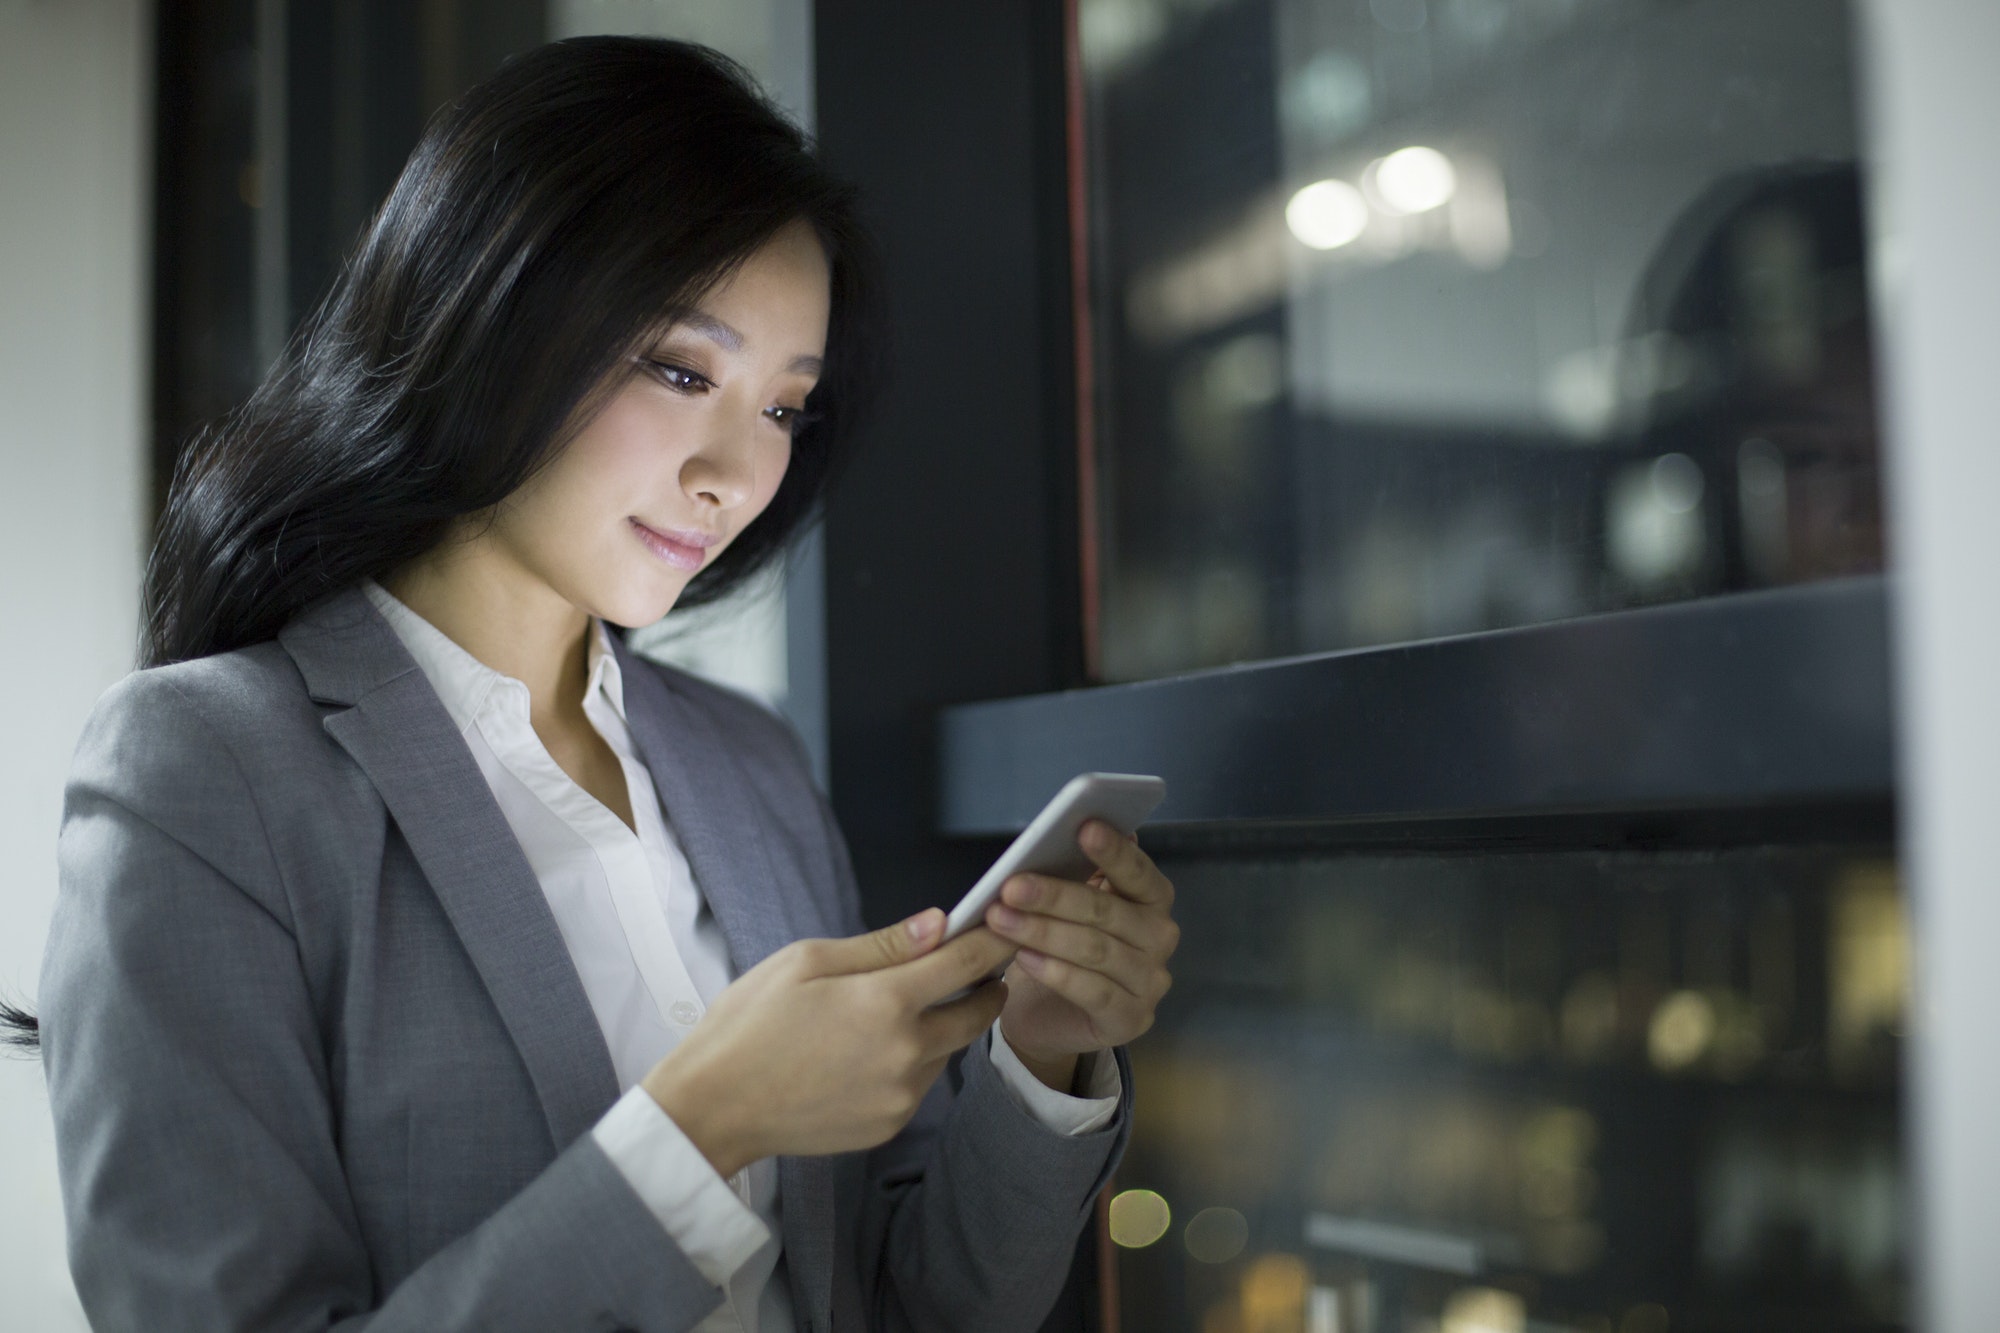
(1582, 1091)
(1416, 317)
(282, 126)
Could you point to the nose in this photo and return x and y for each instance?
(722, 472)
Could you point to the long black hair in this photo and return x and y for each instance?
(548, 223)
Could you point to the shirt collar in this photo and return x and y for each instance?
(606, 676)
(464, 683)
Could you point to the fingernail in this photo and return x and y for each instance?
(1096, 837)
(1031, 960)
(924, 924)
(1006, 917)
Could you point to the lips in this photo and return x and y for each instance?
(680, 548)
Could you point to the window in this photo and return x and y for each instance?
(1417, 317)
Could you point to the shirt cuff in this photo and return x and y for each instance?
(713, 1226)
(1097, 1072)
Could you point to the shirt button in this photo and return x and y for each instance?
(684, 1013)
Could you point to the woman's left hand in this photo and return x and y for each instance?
(1093, 959)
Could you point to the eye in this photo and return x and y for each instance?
(793, 419)
(676, 377)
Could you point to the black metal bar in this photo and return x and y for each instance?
(951, 540)
(1751, 699)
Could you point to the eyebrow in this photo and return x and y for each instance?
(731, 341)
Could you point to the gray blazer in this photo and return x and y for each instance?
(318, 1057)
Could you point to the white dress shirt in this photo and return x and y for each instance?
(652, 958)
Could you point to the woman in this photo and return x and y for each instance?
(424, 959)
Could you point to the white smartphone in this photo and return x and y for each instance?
(1048, 845)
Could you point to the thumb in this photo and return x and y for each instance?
(882, 948)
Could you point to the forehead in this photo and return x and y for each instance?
(775, 303)
(788, 271)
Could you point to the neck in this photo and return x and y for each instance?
(503, 615)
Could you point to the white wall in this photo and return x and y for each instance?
(1935, 109)
(771, 38)
(75, 166)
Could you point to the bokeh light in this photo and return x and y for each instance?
(1484, 1310)
(1216, 1235)
(1274, 1291)
(1327, 214)
(1681, 1030)
(1415, 179)
(1138, 1218)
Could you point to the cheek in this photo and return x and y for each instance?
(771, 478)
(618, 458)
(576, 506)
(606, 473)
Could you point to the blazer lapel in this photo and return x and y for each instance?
(395, 727)
(715, 813)
(719, 818)
(805, 1184)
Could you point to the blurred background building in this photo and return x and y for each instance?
(1467, 446)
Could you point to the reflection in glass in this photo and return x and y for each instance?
(1551, 1091)
(1418, 317)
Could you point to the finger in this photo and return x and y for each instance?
(1141, 927)
(962, 962)
(1131, 872)
(950, 1027)
(1086, 946)
(909, 938)
(1115, 1014)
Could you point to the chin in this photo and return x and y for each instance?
(637, 603)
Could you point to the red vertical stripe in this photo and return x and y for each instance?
(1107, 1260)
(1088, 567)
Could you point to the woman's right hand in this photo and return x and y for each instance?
(828, 1046)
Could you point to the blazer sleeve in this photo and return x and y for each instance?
(196, 1141)
(973, 1211)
